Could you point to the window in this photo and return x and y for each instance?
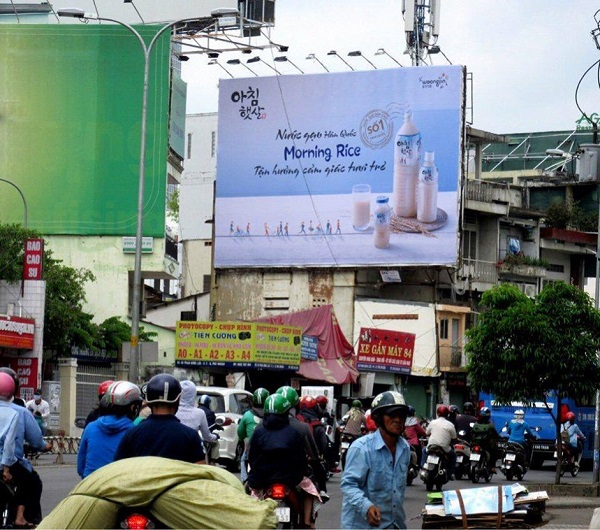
(444, 328)
(213, 144)
(189, 145)
(469, 244)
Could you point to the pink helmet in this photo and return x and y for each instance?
(7, 387)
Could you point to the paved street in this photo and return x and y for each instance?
(562, 512)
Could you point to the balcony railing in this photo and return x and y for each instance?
(451, 357)
(488, 192)
(479, 271)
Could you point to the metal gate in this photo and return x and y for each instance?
(89, 376)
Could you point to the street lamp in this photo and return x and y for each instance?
(237, 61)
(333, 52)
(381, 51)
(315, 58)
(284, 59)
(134, 355)
(358, 53)
(257, 59)
(22, 197)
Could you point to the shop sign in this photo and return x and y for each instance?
(382, 350)
(17, 332)
(32, 262)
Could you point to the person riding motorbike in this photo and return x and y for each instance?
(16, 399)
(204, 404)
(465, 421)
(441, 432)
(573, 433)
(413, 431)
(308, 413)
(485, 434)
(277, 454)
(100, 439)
(248, 423)
(453, 412)
(354, 422)
(97, 411)
(519, 432)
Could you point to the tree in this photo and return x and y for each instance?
(523, 349)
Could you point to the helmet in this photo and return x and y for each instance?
(570, 416)
(442, 411)
(290, 394)
(485, 412)
(163, 388)
(388, 402)
(7, 386)
(357, 403)
(13, 374)
(468, 407)
(204, 400)
(103, 387)
(121, 393)
(308, 402)
(277, 404)
(411, 410)
(454, 410)
(259, 396)
(519, 413)
(322, 400)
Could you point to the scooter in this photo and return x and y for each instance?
(567, 462)
(435, 470)
(480, 464)
(413, 467)
(514, 461)
(346, 441)
(462, 449)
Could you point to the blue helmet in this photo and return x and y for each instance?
(204, 400)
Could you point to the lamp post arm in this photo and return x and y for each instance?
(22, 197)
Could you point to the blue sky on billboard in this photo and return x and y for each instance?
(526, 57)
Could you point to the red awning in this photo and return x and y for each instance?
(336, 355)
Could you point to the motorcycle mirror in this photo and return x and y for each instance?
(220, 421)
(504, 429)
(80, 422)
(462, 433)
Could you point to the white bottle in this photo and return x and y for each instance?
(407, 157)
(427, 190)
(381, 222)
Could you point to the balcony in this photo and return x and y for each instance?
(493, 197)
(477, 271)
(451, 359)
(529, 271)
(569, 236)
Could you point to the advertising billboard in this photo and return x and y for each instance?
(382, 350)
(70, 127)
(340, 169)
(238, 345)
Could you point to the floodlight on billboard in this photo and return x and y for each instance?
(291, 150)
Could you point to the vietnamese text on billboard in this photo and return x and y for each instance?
(302, 160)
(238, 345)
(85, 127)
(381, 350)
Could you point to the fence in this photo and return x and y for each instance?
(61, 445)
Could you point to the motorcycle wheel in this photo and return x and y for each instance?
(474, 475)
(488, 476)
(343, 460)
(428, 486)
(562, 468)
(509, 474)
(574, 470)
(409, 478)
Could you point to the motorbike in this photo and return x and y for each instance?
(514, 461)
(137, 518)
(211, 448)
(346, 440)
(567, 462)
(481, 466)
(7, 505)
(413, 467)
(462, 448)
(435, 470)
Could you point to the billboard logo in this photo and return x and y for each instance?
(250, 108)
(439, 82)
(376, 129)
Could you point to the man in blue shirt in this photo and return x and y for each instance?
(374, 480)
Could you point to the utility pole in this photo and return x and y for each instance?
(421, 27)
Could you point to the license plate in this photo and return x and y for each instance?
(345, 445)
(555, 454)
(475, 457)
(433, 459)
(459, 459)
(541, 447)
(283, 514)
(511, 457)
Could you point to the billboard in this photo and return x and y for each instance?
(238, 345)
(70, 127)
(302, 160)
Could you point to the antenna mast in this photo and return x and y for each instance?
(421, 27)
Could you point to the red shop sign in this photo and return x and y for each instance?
(16, 332)
(381, 350)
(32, 262)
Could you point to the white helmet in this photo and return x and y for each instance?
(519, 414)
(121, 393)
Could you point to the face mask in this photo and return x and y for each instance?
(37, 396)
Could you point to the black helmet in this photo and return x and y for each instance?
(387, 402)
(163, 388)
(454, 410)
(411, 410)
(468, 407)
(13, 374)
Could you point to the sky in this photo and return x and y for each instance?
(526, 57)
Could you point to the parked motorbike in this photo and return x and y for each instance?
(567, 461)
(514, 461)
(435, 470)
(481, 466)
(413, 467)
(462, 449)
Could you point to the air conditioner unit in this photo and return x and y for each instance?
(588, 164)
(529, 290)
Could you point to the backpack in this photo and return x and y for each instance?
(311, 423)
(482, 433)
